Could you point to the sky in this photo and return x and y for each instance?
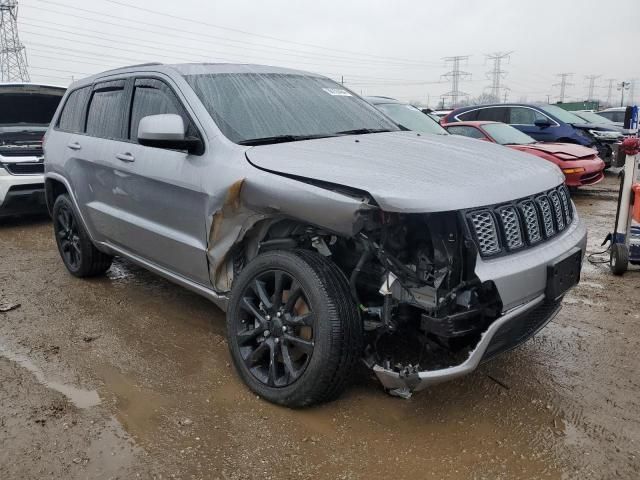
(390, 48)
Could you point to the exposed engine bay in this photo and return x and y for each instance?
(412, 277)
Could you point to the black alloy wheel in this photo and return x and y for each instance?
(68, 235)
(275, 331)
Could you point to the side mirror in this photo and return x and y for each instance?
(166, 131)
(542, 122)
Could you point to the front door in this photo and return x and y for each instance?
(161, 204)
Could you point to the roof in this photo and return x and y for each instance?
(377, 100)
(195, 69)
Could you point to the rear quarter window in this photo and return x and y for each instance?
(72, 115)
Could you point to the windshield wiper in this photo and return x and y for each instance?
(363, 131)
(280, 139)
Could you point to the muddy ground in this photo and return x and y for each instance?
(129, 376)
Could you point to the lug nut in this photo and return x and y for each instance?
(267, 333)
(277, 340)
(284, 328)
(279, 314)
(267, 318)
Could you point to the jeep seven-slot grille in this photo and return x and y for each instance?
(525, 222)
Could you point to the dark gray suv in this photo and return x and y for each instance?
(327, 234)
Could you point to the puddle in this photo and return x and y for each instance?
(81, 398)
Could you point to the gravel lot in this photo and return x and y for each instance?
(129, 376)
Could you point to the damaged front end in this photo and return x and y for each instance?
(423, 308)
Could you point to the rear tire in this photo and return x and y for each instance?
(619, 260)
(311, 296)
(78, 253)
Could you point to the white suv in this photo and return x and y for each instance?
(25, 112)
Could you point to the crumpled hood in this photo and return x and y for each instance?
(598, 126)
(571, 149)
(407, 172)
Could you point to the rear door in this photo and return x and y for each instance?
(93, 173)
(523, 118)
(161, 205)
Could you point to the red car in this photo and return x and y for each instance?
(580, 165)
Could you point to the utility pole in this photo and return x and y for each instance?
(610, 90)
(455, 75)
(632, 92)
(592, 82)
(496, 74)
(13, 58)
(622, 86)
(563, 84)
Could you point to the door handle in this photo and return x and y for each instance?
(125, 157)
(74, 146)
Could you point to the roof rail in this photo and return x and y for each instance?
(150, 64)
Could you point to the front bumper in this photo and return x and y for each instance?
(507, 332)
(21, 194)
(521, 281)
(593, 172)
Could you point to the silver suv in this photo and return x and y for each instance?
(328, 235)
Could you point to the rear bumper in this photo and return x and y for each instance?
(20, 195)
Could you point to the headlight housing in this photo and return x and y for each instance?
(605, 135)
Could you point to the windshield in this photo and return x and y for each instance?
(250, 107)
(593, 117)
(27, 109)
(562, 115)
(409, 117)
(507, 135)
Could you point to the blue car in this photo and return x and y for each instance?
(545, 123)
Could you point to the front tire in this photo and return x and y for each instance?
(79, 255)
(294, 331)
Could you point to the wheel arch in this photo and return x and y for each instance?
(53, 189)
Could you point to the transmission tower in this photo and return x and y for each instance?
(610, 90)
(592, 83)
(563, 84)
(455, 75)
(13, 58)
(496, 74)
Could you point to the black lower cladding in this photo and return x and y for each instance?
(519, 329)
(24, 199)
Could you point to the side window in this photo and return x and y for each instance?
(493, 114)
(468, 116)
(617, 117)
(154, 97)
(106, 114)
(465, 131)
(72, 116)
(524, 116)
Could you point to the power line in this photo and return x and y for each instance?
(13, 57)
(496, 74)
(455, 75)
(347, 55)
(563, 84)
(592, 82)
(610, 90)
